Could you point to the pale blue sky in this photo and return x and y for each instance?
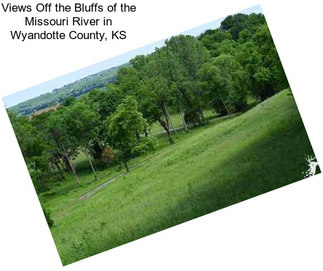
(58, 82)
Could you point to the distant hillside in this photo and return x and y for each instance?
(75, 89)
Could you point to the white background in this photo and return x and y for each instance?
(280, 230)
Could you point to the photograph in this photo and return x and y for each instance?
(161, 135)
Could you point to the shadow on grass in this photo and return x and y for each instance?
(275, 161)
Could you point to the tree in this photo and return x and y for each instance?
(191, 55)
(69, 100)
(40, 122)
(258, 56)
(57, 129)
(129, 83)
(190, 52)
(164, 63)
(147, 82)
(213, 39)
(235, 24)
(213, 85)
(34, 149)
(80, 122)
(156, 95)
(103, 103)
(123, 126)
(127, 79)
(223, 81)
(270, 58)
(234, 77)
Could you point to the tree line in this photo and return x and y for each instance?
(218, 69)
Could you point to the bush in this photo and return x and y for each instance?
(147, 144)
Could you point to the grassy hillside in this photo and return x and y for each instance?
(209, 168)
(74, 89)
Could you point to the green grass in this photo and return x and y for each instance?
(209, 168)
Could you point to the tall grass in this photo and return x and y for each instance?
(208, 168)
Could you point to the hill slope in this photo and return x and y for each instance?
(208, 168)
(74, 89)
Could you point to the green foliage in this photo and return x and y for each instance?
(80, 122)
(31, 144)
(191, 55)
(270, 58)
(103, 102)
(234, 78)
(125, 126)
(250, 43)
(239, 22)
(217, 41)
(36, 173)
(190, 52)
(145, 146)
(223, 81)
(34, 149)
(68, 101)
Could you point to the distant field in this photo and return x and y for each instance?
(209, 168)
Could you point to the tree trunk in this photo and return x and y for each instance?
(183, 120)
(181, 110)
(146, 133)
(57, 164)
(66, 158)
(229, 113)
(67, 164)
(90, 162)
(124, 158)
(165, 126)
(126, 164)
(97, 149)
(77, 181)
(165, 116)
(169, 119)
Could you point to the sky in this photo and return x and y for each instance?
(59, 82)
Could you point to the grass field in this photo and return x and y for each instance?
(209, 168)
